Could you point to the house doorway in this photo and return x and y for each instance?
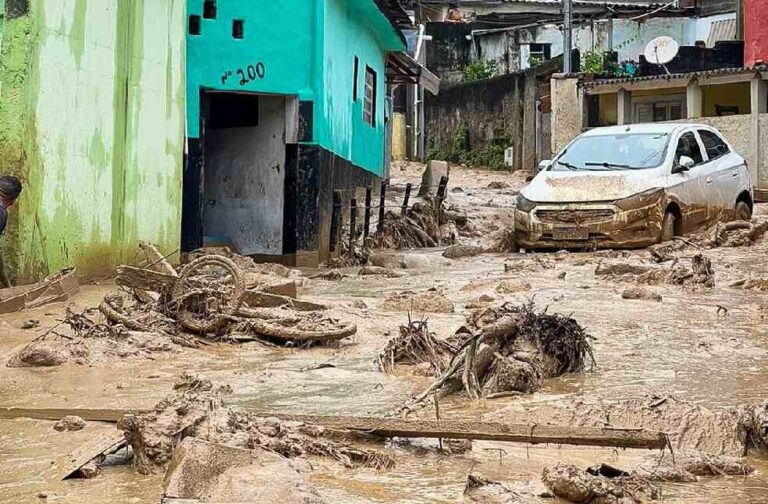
(241, 190)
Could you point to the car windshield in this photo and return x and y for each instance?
(625, 151)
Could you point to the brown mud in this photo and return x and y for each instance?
(705, 345)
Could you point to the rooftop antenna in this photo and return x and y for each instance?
(661, 51)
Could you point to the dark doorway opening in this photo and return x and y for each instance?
(234, 179)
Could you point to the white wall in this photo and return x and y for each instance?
(245, 182)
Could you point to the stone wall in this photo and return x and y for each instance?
(495, 114)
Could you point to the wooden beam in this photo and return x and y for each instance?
(489, 431)
(394, 427)
(145, 279)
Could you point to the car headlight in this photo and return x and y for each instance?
(640, 200)
(524, 204)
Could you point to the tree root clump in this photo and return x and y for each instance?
(511, 349)
(419, 228)
(416, 345)
(196, 408)
(700, 273)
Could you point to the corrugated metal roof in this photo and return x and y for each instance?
(703, 73)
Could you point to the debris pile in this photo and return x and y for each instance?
(197, 409)
(418, 228)
(731, 432)
(700, 272)
(509, 350)
(484, 491)
(603, 484)
(416, 346)
(208, 300)
(737, 234)
(431, 301)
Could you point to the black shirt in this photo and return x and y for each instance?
(3, 218)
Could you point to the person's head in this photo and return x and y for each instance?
(10, 189)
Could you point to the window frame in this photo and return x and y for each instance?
(719, 137)
(372, 101)
(356, 81)
(702, 151)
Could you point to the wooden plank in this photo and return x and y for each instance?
(55, 414)
(140, 278)
(157, 260)
(393, 427)
(70, 463)
(490, 431)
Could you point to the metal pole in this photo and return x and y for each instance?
(408, 188)
(352, 225)
(367, 223)
(442, 188)
(382, 197)
(567, 36)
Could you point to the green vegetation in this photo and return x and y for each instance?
(593, 62)
(480, 70)
(490, 156)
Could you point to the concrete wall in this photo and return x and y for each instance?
(498, 112)
(567, 111)
(92, 121)
(244, 182)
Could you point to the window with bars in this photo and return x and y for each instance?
(369, 98)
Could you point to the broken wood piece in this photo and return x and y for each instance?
(157, 260)
(489, 431)
(108, 442)
(57, 287)
(144, 279)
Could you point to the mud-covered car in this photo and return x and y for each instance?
(633, 186)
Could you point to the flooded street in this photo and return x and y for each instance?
(707, 346)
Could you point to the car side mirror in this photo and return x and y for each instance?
(544, 165)
(683, 164)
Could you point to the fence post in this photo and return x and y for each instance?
(382, 198)
(441, 190)
(352, 225)
(367, 223)
(335, 220)
(408, 188)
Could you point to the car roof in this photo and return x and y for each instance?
(641, 128)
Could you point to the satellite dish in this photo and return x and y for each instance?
(661, 50)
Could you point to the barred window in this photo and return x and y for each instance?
(369, 99)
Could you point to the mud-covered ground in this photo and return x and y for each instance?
(705, 345)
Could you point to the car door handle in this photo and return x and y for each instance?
(735, 173)
(709, 180)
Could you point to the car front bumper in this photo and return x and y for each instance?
(588, 225)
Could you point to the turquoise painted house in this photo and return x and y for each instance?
(285, 106)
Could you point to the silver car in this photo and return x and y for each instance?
(633, 186)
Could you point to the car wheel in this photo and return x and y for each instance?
(668, 226)
(743, 211)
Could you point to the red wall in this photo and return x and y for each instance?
(755, 32)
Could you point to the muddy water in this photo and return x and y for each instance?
(679, 346)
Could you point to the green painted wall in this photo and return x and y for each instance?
(307, 49)
(92, 120)
(278, 34)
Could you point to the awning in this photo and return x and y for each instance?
(402, 69)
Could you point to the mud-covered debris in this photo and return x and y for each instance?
(732, 431)
(331, 275)
(70, 423)
(484, 491)
(667, 251)
(511, 348)
(687, 466)
(699, 273)
(498, 184)
(379, 271)
(512, 287)
(421, 302)
(460, 250)
(218, 473)
(196, 408)
(416, 345)
(419, 228)
(38, 354)
(480, 302)
(592, 487)
(30, 324)
(640, 293)
(737, 234)
(758, 284)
